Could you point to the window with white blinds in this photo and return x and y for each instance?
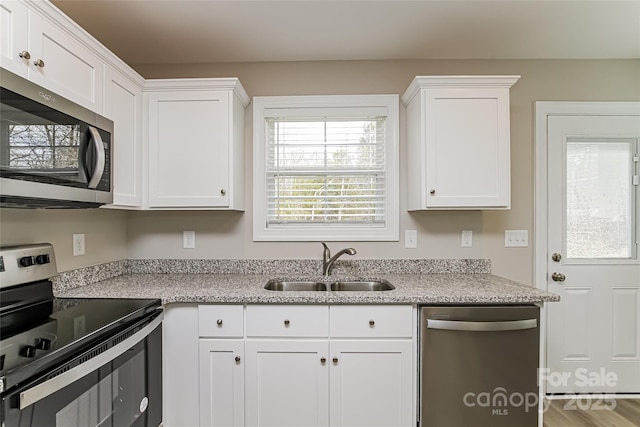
(325, 168)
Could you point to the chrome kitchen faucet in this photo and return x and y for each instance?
(328, 260)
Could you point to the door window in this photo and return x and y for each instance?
(599, 199)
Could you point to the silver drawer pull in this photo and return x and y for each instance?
(237, 359)
(372, 322)
(39, 63)
(219, 322)
(286, 322)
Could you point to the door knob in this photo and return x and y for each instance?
(39, 63)
(25, 54)
(556, 257)
(558, 277)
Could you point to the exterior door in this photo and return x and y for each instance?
(593, 333)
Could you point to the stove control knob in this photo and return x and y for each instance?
(26, 261)
(43, 259)
(43, 344)
(28, 351)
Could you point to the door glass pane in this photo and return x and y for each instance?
(599, 208)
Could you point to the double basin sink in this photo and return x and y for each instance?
(311, 285)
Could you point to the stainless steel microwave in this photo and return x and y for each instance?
(53, 152)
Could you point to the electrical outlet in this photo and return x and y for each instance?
(516, 238)
(467, 238)
(410, 239)
(188, 239)
(78, 244)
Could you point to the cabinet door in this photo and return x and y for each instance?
(371, 383)
(14, 33)
(287, 383)
(188, 149)
(123, 105)
(68, 68)
(222, 383)
(467, 148)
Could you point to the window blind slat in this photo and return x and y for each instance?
(325, 170)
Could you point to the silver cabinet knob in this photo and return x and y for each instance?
(432, 192)
(558, 277)
(335, 360)
(286, 322)
(372, 322)
(25, 54)
(237, 359)
(556, 257)
(323, 360)
(223, 191)
(39, 63)
(219, 322)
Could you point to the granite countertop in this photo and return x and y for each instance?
(442, 288)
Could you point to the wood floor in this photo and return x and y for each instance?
(596, 413)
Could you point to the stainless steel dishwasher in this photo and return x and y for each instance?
(479, 366)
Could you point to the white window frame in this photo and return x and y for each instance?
(263, 105)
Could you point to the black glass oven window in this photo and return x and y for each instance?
(116, 400)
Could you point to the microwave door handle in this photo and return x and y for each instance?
(100, 163)
(454, 325)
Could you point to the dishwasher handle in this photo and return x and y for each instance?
(457, 325)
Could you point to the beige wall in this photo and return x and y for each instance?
(113, 235)
(229, 235)
(105, 233)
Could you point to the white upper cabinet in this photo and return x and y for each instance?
(458, 153)
(14, 37)
(61, 63)
(195, 134)
(123, 105)
(43, 51)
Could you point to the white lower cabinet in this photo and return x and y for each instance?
(287, 383)
(371, 383)
(222, 377)
(300, 365)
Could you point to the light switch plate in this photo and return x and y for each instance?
(516, 238)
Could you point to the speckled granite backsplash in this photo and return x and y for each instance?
(85, 276)
(88, 275)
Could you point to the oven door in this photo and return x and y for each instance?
(119, 385)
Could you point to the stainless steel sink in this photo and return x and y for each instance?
(358, 285)
(312, 285)
(292, 285)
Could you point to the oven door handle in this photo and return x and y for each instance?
(456, 325)
(47, 388)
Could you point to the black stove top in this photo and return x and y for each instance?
(39, 331)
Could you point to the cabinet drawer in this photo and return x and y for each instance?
(364, 321)
(287, 321)
(221, 321)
